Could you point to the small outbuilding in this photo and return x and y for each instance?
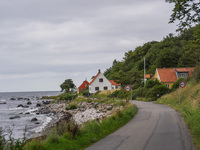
(83, 86)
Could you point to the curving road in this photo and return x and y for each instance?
(155, 127)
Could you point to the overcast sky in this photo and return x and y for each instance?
(44, 42)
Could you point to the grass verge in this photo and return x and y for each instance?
(72, 137)
(189, 108)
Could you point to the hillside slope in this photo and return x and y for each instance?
(189, 107)
(173, 51)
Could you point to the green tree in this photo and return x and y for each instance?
(67, 85)
(186, 11)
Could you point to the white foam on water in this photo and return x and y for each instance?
(40, 128)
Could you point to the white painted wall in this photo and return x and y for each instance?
(116, 86)
(101, 85)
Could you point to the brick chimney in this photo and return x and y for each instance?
(99, 70)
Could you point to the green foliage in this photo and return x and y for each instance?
(186, 11)
(122, 94)
(176, 84)
(157, 91)
(67, 85)
(71, 137)
(151, 83)
(86, 92)
(11, 143)
(173, 52)
(67, 96)
(71, 106)
(189, 107)
(196, 74)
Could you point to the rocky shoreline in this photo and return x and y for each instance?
(84, 112)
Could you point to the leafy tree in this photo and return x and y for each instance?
(176, 84)
(186, 11)
(67, 85)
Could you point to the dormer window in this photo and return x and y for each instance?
(100, 79)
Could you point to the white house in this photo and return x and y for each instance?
(101, 83)
(115, 85)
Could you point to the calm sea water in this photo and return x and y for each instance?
(10, 109)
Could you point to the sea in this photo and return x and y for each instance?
(21, 124)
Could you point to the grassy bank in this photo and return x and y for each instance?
(73, 137)
(189, 108)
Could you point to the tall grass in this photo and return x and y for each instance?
(189, 107)
(74, 137)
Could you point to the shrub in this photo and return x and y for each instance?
(196, 74)
(120, 94)
(176, 84)
(67, 96)
(140, 92)
(157, 91)
(71, 106)
(151, 83)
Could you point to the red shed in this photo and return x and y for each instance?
(83, 86)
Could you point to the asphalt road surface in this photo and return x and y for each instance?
(155, 127)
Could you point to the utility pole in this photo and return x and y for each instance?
(144, 73)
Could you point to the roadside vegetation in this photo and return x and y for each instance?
(70, 136)
(189, 106)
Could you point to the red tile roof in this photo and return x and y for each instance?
(167, 74)
(148, 76)
(114, 83)
(181, 70)
(190, 71)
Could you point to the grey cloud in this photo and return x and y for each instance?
(73, 39)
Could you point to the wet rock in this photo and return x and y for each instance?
(29, 103)
(25, 106)
(12, 99)
(37, 122)
(14, 117)
(46, 102)
(3, 103)
(27, 113)
(38, 105)
(34, 119)
(20, 105)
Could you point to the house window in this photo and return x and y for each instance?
(105, 87)
(112, 87)
(96, 88)
(167, 85)
(101, 80)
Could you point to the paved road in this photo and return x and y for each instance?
(155, 127)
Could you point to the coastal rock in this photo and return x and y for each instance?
(29, 103)
(12, 99)
(20, 105)
(25, 106)
(37, 122)
(3, 103)
(109, 107)
(38, 105)
(14, 117)
(34, 119)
